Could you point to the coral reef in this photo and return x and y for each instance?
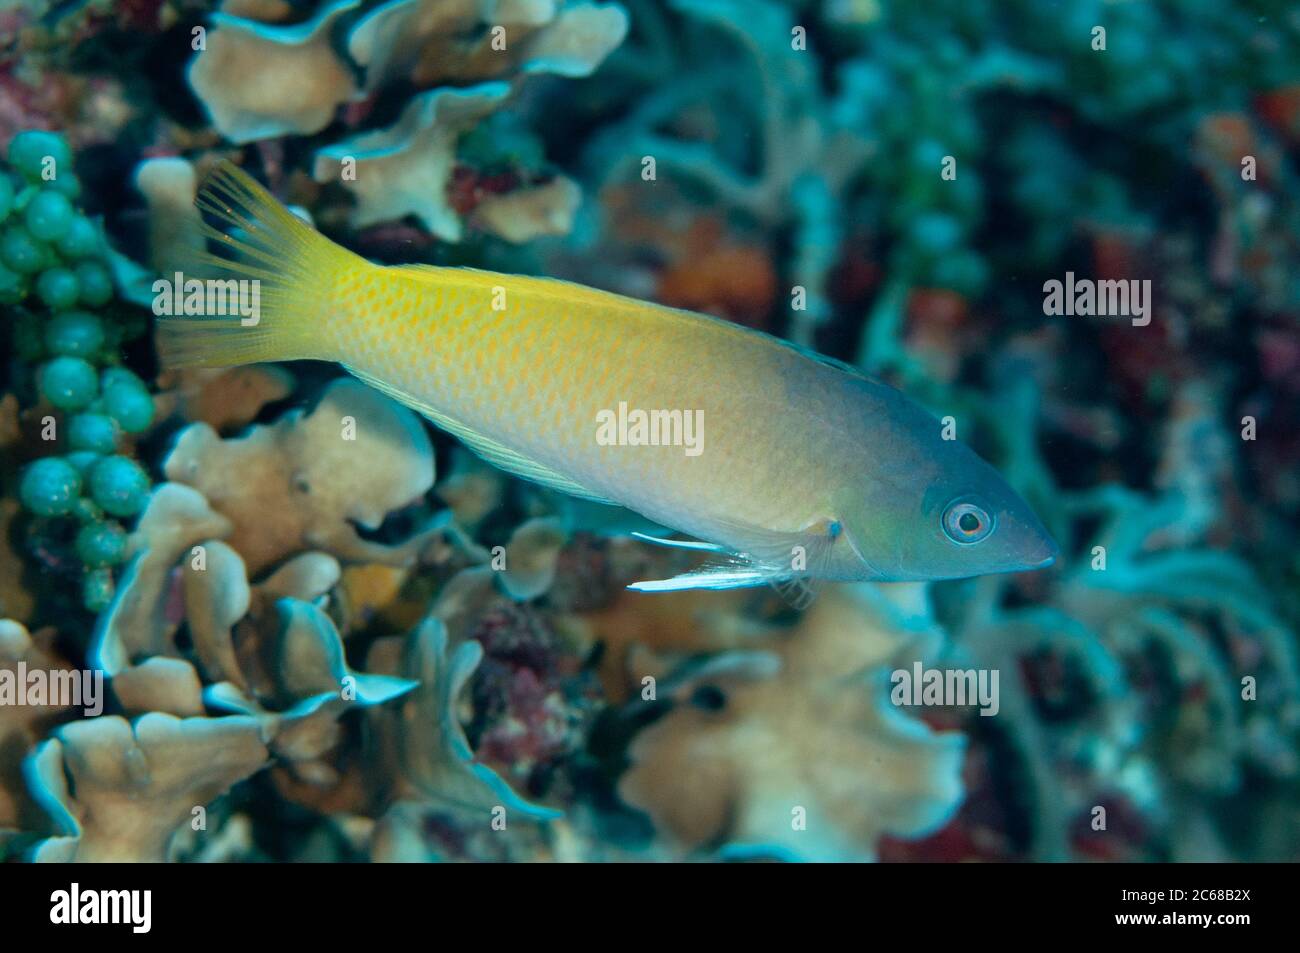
(327, 632)
(261, 81)
(763, 751)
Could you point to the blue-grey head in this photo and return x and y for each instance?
(929, 508)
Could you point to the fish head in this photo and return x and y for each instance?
(950, 516)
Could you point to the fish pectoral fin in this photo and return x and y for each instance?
(737, 573)
(809, 558)
(798, 592)
(679, 543)
(490, 450)
(790, 553)
(731, 572)
(794, 564)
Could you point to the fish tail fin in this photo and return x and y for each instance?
(265, 283)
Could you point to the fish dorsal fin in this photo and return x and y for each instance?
(825, 360)
(490, 450)
(539, 285)
(571, 292)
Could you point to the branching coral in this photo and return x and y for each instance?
(405, 169)
(22, 725)
(260, 81)
(1153, 677)
(136, 624)
(118, 790)
(285, 678)
(764, 751)
(299, 632)
(190, 634)
(805, 156)
(307, 688)
(437, 762)
(428, 43)
(319, 469)
(168, 186)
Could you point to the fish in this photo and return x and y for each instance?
(779, 466)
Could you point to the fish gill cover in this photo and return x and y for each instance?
(963, 528)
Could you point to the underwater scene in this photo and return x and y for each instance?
(649, 430)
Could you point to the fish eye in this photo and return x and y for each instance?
(966, 523)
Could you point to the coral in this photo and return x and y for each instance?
(437, 764)
(226, 399)
(529, 213)
(323, 648)
(530, 558)
(805, 152)
(134, 783)
(137, 623)
(168, 186)
(761, 752)
(265, 654)
(405, 169)
(160, 684)
(529, 703)
(471, 490)
(306, 689)
(720, 277)
(21, 726)
(1141, 653)
(531, 697)
(632, 633)
(259, 81)
(307, 480)
(425, 42)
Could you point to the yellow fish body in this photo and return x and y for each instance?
(787, 464)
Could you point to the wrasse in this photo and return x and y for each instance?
(784, 465)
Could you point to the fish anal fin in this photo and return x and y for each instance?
(490, 450)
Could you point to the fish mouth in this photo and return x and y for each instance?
(1044, 554)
